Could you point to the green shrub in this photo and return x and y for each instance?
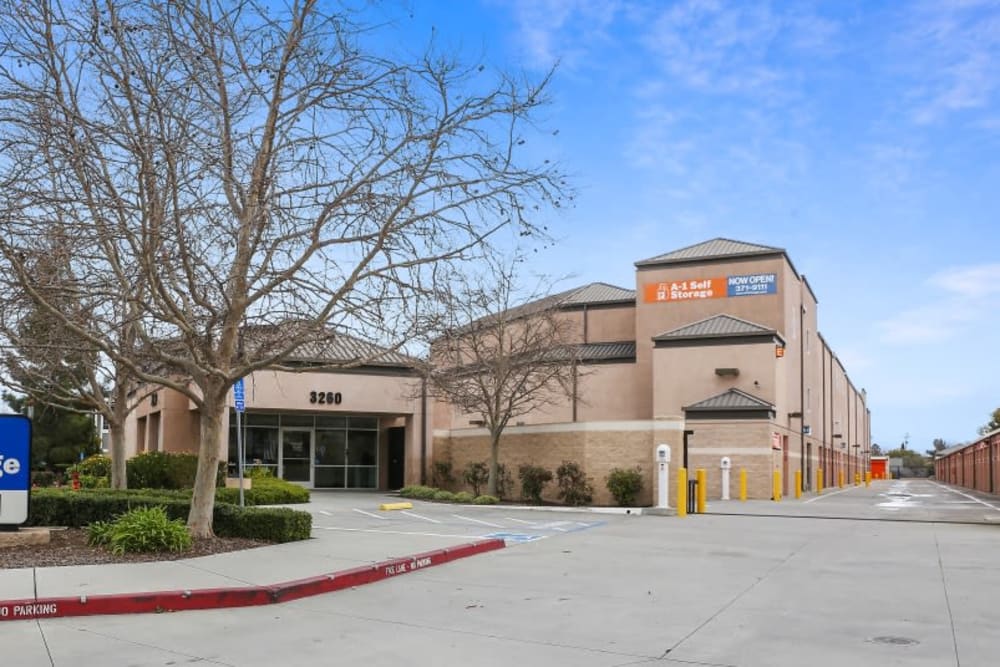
(533, 481)
(162, 470)
(142, 530)
(446, 496)
(486, 500)
(43, 478)
(424, 492)
(93, 482)
(574, 486)
(269, 524)
(476, 475)
(256, 472)
(265, 491)
(97, 465)
(625, 484)
(62, 507)
(464, 497)
(441, 474)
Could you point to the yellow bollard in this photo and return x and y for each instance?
(819, 481)
(776, 487)
(868, 478)
(840, 479)
(702, 478)
(682, 492)
(798, 484)
(743, 484)
(857, 478)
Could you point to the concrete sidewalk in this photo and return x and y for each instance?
(265, 570)
(350, 536)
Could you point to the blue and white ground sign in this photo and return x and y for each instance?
(15, 469)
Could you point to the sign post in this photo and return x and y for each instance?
(15, 470)
(239, 398)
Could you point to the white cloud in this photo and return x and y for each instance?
(562, 31)
(955, 47)
(961, 298)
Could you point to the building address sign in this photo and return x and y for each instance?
(325, 397)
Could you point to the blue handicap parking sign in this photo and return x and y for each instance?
(15, 469)
(239, 395)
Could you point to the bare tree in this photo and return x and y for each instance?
(506, 353)
(45, 361)
(256, 170)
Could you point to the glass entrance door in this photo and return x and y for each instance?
(296, 455)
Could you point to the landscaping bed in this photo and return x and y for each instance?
(69, 547)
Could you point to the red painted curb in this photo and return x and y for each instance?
(247, 596)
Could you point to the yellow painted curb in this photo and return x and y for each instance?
(396, 506)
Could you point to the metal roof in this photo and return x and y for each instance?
(346, 349)
(717, 326)
(586, 295)
(734, 399)
(595, 293)
(711, 249)
(607, 351)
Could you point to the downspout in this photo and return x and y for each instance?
(423, 431)
(802, 397)
(826, 444)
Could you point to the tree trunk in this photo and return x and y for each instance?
(119, 477)
(203, 499)
(491, 486)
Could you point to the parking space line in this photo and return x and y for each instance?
(827, 495)
(400, 532)
(479, 521)
(527, 523)
(374, 516)
(325, 513)
(420, 516)
(981, 502)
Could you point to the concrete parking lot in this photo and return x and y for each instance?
(744, 591)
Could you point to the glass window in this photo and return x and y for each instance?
(328, 421)
(331, 447)
(363, 423)
(262, 446)
(362, 477)
(362, 448)
(297, 420)
(329, 477)
(258, 419)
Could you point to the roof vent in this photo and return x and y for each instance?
(727, 372)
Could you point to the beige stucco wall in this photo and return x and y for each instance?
(658, 317)
(385, 395)
(606, 324)
(686, 375)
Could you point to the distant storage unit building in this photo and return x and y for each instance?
(973, 465)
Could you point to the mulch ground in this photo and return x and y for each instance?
(69, 547)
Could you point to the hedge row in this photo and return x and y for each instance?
(430, 493)
(265, 491)
(60, 507)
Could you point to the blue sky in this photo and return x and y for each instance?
(863, 137)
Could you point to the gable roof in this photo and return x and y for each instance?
(733, 399)
(596, 293)
(717, 326)
(349, 350)
(711, 249)
(591, 294)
